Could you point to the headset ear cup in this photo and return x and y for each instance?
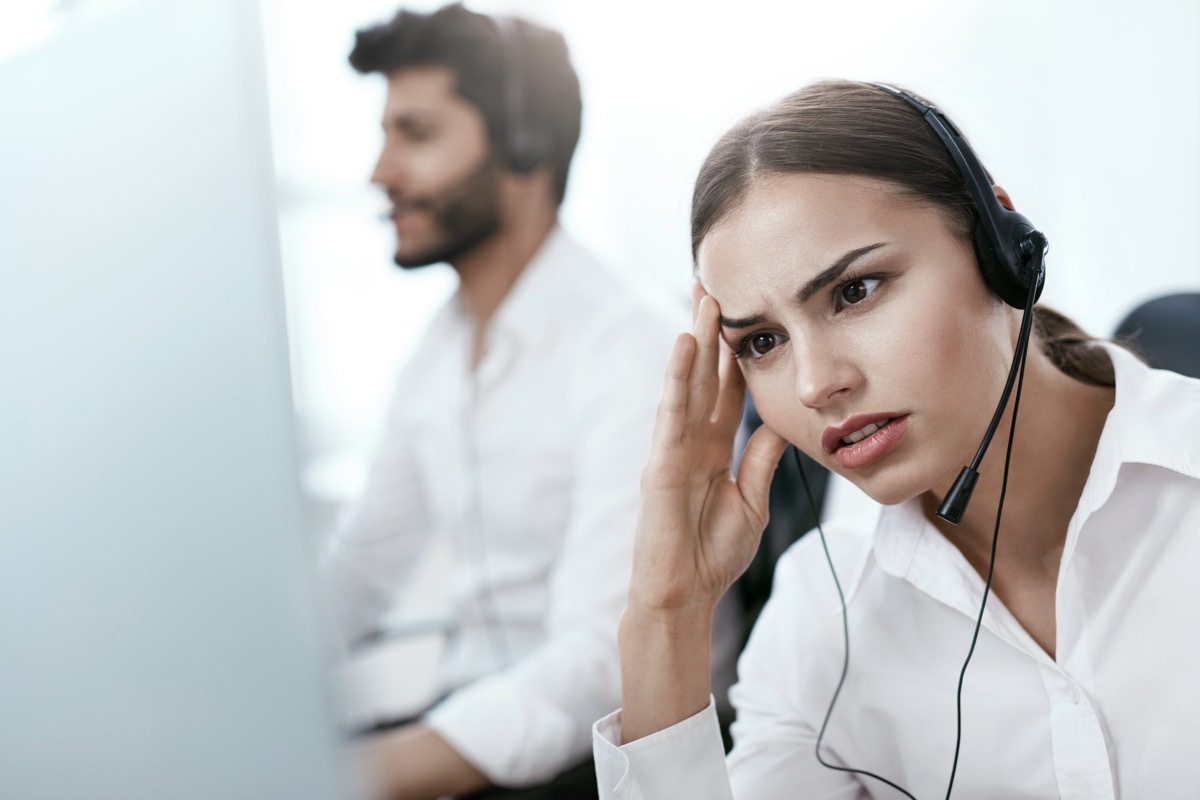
(526, 143)
(525, 151)
(997, 276)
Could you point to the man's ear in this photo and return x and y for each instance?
(1003, 197)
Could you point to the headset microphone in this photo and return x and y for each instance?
(955, 503)
(1011, 255)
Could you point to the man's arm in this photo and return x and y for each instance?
(531, 721)
(415, 763)
(378, 542)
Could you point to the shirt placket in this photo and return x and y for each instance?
(1081, 762)
(477, 538)
(1080, 749)
(481, 538)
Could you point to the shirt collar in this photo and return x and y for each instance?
(1152, 421)
(524, 312)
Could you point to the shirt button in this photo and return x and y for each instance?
(1073, 694)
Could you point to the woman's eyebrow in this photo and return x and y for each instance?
(828, 276)
(728, 322)
(832, 273)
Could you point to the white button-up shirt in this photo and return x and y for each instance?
(1117, 714)
(530, 465)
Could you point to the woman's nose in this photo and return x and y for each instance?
(823, 375)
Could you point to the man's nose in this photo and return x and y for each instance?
(389, 171)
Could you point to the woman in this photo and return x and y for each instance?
(838, 281)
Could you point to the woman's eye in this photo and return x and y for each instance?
(761, 343)
(758, 346)
(856, 291)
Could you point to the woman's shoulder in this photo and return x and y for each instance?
(1155, 415)
(804, 568)
(801, 624)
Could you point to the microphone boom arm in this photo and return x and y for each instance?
(955, 503)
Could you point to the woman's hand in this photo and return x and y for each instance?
(699, 527)
(697, 530)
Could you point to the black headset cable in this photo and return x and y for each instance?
(1019, 357)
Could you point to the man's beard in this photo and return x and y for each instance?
(467, 214)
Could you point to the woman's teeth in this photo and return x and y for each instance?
(863, 433)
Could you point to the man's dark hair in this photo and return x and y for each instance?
(486, 58)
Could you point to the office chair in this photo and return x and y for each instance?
(1165, 331)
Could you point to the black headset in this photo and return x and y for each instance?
(527, 146)
(1011, 255)
(1004, 240)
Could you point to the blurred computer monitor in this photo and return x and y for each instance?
(158, 627)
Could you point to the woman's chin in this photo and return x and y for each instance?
(888, 490)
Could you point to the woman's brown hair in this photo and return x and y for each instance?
(846, 128)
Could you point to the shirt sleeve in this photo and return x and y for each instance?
(525, 724)
(780, 697)
(684, 760)
(774, 736)
(378, 541)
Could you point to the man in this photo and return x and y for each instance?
(519, 429)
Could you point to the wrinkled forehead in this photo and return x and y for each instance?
(790, 227)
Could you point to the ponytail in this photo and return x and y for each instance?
(1070, 349)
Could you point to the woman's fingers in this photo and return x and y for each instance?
(671, 419)
(698, 294)
(756, 469)
(731, 396)
(703, 385)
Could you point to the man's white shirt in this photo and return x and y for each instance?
(530, 465)
(1115, 715)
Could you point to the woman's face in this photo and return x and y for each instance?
(863, 327)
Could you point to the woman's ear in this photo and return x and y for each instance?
(1003, 197)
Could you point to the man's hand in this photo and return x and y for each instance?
(415, 763)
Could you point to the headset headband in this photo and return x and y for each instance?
(525, 146)
(1006, 250)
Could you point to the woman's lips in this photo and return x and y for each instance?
(871, 447)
